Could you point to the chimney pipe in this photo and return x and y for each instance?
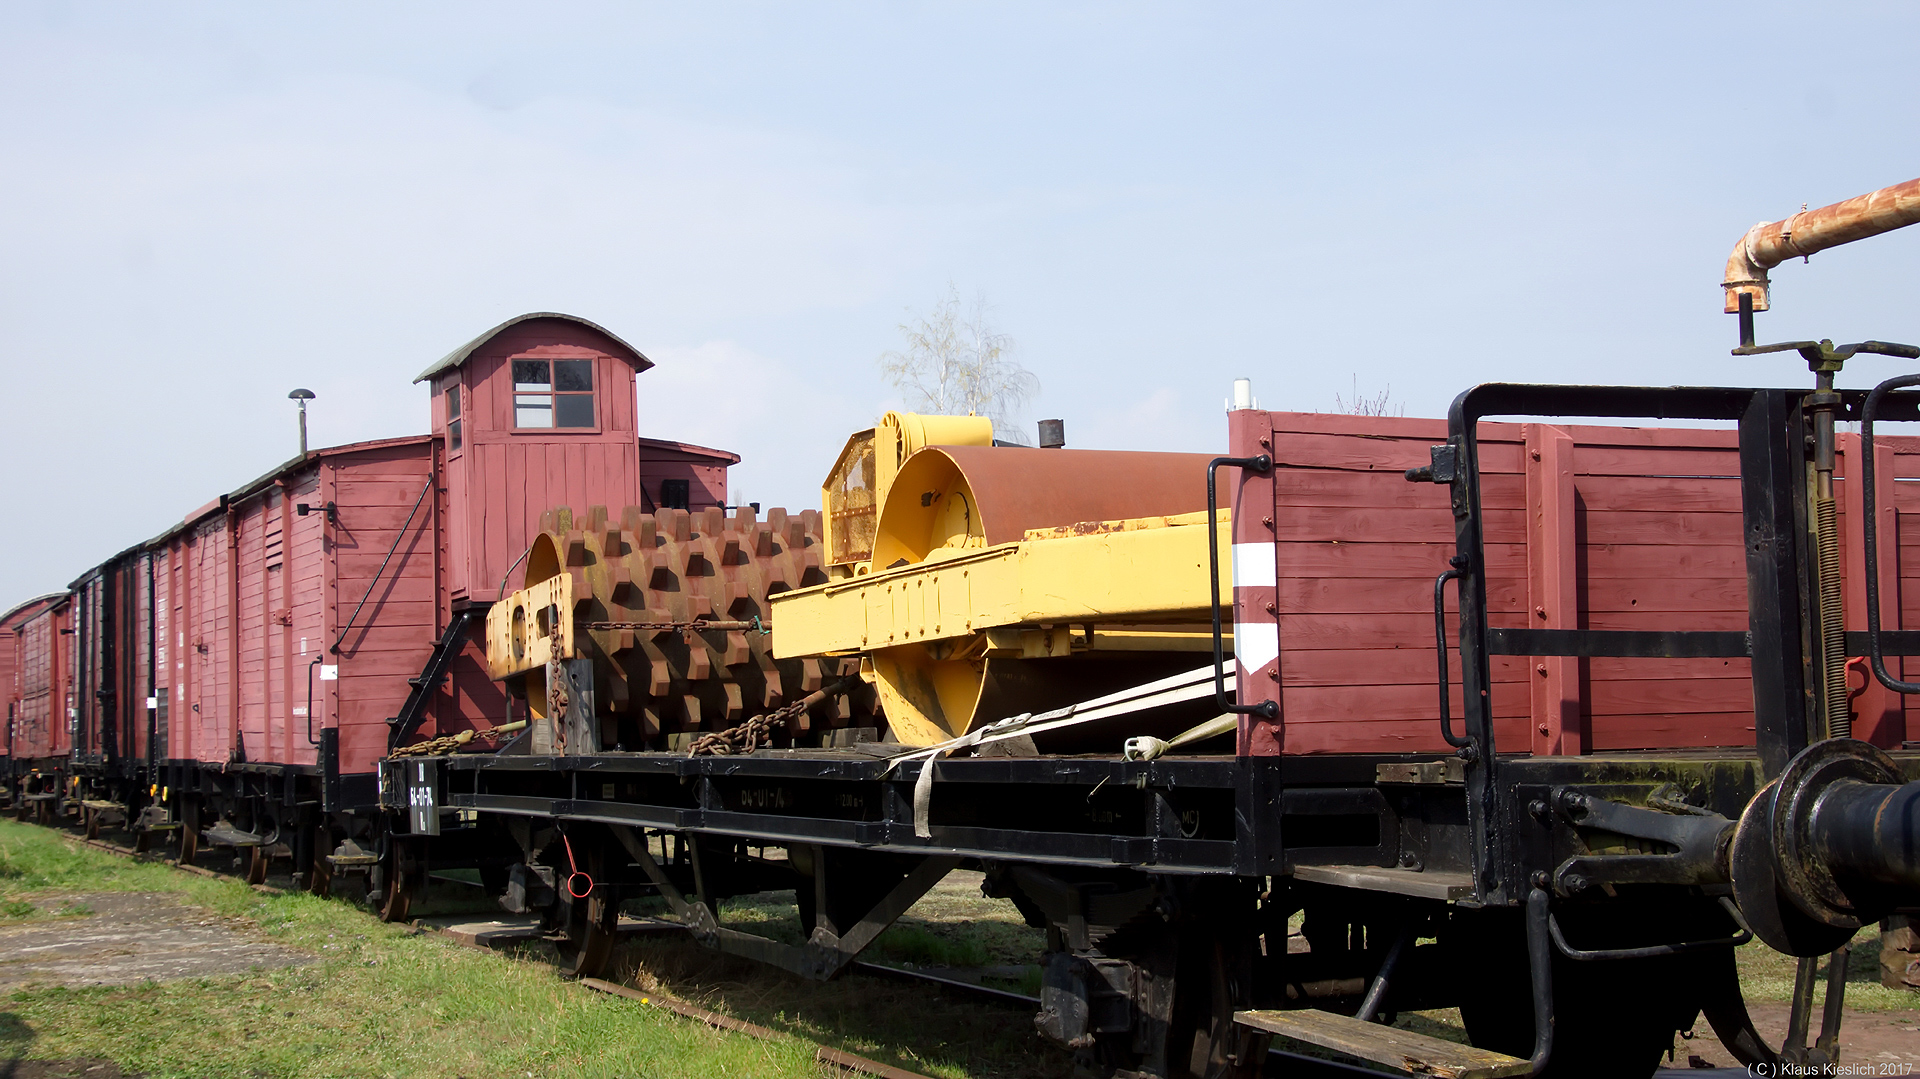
(1767, 245)
(1053, 434)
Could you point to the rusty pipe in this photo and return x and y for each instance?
(1768, 244)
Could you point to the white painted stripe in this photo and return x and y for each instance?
(1253, 565)
(1256, 644)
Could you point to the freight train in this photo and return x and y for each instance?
(1537, 719)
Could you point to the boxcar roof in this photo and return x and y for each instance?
(261, 482)
(460, 355)
(37, 601)
(690, 449)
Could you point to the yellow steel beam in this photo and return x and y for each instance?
(531, 626)
(1150, 572)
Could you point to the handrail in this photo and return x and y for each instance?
(1267, 709)
(1440, 641)
(1870, 533)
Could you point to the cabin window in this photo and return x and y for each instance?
(453, 417)
(553, 393)
(675, 494)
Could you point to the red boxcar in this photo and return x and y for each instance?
(42, 728)
(15, 662)
(1608, 528)
(278, 629)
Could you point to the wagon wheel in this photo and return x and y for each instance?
(591, 926)
(320, 874)
(1212, 980)
(403, 879)
(189, 831)
(257, 859)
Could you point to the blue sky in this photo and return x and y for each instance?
(205, 205)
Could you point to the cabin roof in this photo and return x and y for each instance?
(460, 355)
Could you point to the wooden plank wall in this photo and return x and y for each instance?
(9, 679)
(1586, 527)
(201, 585)
(279, 612)
(1659, 547)
(1899, 719)
(394, 635)
(41, 729)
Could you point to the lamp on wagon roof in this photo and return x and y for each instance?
(302, 396)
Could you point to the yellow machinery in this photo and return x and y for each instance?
(963, 581)
(980, 580)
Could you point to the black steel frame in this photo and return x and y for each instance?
(1773, 480)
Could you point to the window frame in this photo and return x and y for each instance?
(552, 394)
(454, 419)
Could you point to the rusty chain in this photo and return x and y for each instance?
(557, 701)
(434, 747)
(698, 625)
(758, 730)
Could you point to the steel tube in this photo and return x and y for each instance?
(1871, 831)
(1768, 244)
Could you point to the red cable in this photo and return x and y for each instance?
(575, 866)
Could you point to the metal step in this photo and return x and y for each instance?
(226, 835)
(1401, 1050)
(350, 856)
(1427, 884)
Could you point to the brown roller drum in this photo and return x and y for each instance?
(962, 497)
(950, 499)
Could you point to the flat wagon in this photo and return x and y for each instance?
(1539, 710)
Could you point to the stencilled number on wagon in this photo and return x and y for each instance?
(766, 798)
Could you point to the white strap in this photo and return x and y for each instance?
(1187, 686)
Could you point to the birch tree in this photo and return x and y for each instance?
(955, 363)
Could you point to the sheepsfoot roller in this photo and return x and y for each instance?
(646, 630)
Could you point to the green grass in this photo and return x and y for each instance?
(380, 1001)
(1766, 975)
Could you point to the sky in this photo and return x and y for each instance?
(203, 206)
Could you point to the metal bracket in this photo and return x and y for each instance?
(1444, 468)
(1698, 841)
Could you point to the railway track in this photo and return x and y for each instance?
(1279, 1061)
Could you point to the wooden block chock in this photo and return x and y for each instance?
(1401, 1050)
(1900, 953)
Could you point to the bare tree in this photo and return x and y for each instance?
(1375, 405)
(955, 363)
